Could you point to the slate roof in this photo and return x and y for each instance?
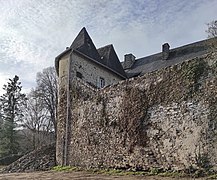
(109, 58)
(176, 55)
(84, 46)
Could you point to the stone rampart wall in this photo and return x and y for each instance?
(164, 119)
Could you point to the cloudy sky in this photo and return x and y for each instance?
(34, 32)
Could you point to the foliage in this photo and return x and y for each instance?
(11, 103)
(193, 72)
(202, 159)
(212, 29)
(154, 171)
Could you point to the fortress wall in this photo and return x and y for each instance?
(164, 119)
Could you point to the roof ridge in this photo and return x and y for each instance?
(81, 36)
(84, 44)
(194, 43)
(183, 46)
(108, 45)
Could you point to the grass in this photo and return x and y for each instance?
(119, 172)
(65, 168)
(151, 172)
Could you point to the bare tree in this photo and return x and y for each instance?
(40, 114)
(212, 29)
(37, 122)
(47, 90)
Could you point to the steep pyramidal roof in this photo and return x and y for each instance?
(110, 58)
(106, 56)
(84, 44)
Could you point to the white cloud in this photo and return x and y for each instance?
(3, 80)
(34, 32)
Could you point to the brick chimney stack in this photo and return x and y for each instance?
(129, 60)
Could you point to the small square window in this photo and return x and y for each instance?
(79, 75)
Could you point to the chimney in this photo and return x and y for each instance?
(129, 60)
(165, 51)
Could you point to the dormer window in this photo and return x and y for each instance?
(101, 82)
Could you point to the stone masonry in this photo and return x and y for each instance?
(164, 119)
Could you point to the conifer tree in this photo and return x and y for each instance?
(11, 104)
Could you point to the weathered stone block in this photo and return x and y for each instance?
(164, 119)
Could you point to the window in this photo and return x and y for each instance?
(101, 82)
(79, 75)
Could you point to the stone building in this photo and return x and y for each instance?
(101, 67)
(98, 67)
(156, 111)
